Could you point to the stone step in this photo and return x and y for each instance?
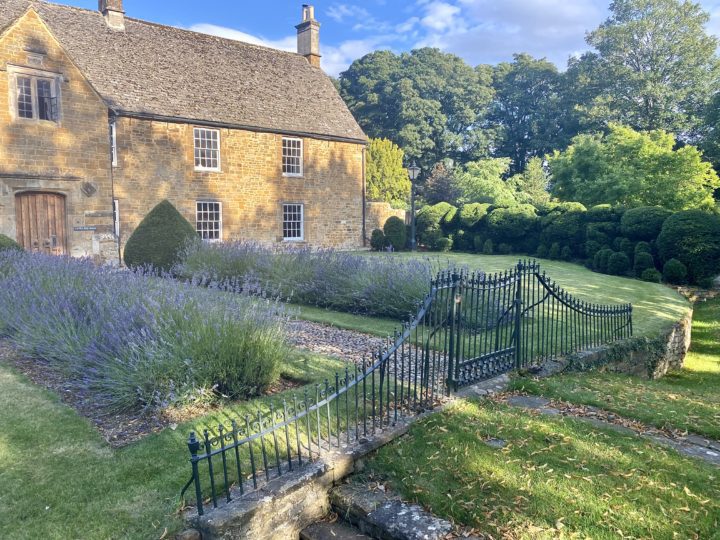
(385, 517)
(332, 531)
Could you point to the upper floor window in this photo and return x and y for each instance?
(36, 96)
(207, 149)
(292, 157)
(208, 220)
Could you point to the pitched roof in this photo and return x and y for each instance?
(156, 70)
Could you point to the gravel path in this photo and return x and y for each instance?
(321, 339)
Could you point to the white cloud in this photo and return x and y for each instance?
(441, 17)
(288, 43)
(341, 12)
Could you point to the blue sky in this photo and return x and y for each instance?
(480, 31)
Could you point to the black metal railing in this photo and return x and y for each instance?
(470, 327)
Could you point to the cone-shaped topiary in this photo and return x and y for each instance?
(159, 239)
(8, 243)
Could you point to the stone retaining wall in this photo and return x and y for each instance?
(377, 213)
(641, 356)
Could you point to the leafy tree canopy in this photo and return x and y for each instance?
(482, 182)
(440, 184)
(634, 169)
(386, 178)
(432, 104)
(532, 185)
(529, 110)
(655, 66)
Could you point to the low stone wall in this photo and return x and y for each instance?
(641, 356)
(377, 213)
(284, 506)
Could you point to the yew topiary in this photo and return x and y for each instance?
(160, 238)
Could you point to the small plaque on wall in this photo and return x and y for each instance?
(87, 228)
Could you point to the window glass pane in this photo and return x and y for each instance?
(292, 156)
(293, 221)
(24, 97)
(209, 220)
(45, 100)
(207, 148)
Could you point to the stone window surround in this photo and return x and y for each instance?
(301, 207)
(285, 155)
(200, 168)
(13, 72)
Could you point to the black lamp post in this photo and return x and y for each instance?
(413, 173)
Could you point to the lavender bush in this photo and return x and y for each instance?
(337, 280)
(136, 340)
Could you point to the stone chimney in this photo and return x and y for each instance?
(308, 33)
(113, 12)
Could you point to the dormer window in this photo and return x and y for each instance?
(35, 96)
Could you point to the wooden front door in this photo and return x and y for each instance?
(40, 219)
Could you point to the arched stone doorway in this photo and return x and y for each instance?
(41, 222)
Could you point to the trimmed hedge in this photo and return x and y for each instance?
(159, 239)
(618, 264)
(378, 240)
(643, 261)
(675, 272)
(395, 233)
(692, 237)
(644, 223)
(651, 275)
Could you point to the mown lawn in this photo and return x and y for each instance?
(61, 480)
(687, 400)
(555, 478)
(655, 306)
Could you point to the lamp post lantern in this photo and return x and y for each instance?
(413, 173)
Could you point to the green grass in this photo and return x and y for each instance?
(656, 306)
(556, 477)
(688, 399)
(61, 480)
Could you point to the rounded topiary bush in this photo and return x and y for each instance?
(443, 244)
(692, 237)
(542, 251)
(508, 225)
(643, 247)
(159, 239)
(675, 272)
(462, 241)
(651, 275)
(625, 245)
(431, 223)
(478, 243)
(471, 215)
(488, 247)
(643, 261)
(505, 249)
(377, 240)
(395, 233)
(8, 243)
(591, 248)
(601, 260)
(618, 264)
(643, 223)
(566, 253)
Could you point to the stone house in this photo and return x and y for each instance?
(103, 116)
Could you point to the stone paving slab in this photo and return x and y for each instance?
(691, 445)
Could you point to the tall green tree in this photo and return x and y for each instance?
(385, 177)
(440, 185)
(532, 185)
(432, 104)
(655, 66)
(529, 111)
(634, 169)
(482, 182)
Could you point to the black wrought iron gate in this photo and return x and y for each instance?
(488, 324)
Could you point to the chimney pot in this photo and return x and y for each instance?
(308, 36)
(113, 12)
